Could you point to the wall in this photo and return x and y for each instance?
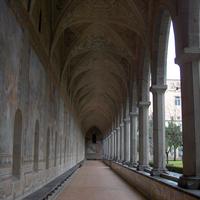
(154, 188)
(26, 86)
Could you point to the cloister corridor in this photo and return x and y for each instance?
(96, 181)
(82, 99)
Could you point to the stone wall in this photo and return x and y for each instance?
(154, 188)
(26, 87)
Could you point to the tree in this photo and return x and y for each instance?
(173, 138)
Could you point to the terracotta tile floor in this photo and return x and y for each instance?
(96, 181)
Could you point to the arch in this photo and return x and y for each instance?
(160, 47)
(17, 144)
(36, 147)
(47, 148)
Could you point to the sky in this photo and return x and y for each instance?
(173, 71)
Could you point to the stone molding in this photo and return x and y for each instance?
(122, 125)
(126, 120)
(158, 89)
(189, 54)
(144, 104)
(134, 114)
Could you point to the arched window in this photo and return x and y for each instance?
(36, 147)
(94, 138)
(29, 5)
(40, 22)
(47, 149)
(17, 145)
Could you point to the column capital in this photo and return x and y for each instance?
(127, 119)
(118, 128)
(144, 104)
(189, 54)
(122, 125)
(134, 114)
(158, 89)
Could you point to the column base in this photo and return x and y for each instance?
(142, 167)
(158, 172)
(189, 182)
(126, 162)
(133, 164)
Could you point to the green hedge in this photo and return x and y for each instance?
(171, 168)
(175, 169)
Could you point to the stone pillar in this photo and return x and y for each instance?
(121, 142)
(106, 148)
(118, 144)
(159, 158)
(133, 137)
(190, 84)
(112, 145)
(113, 136)
(109, 147)
(143, 135)
(127, 140)
(115, 146)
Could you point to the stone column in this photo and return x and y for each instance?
(109, 147)
(143, 135)
(112, 145)
(113, 136)
(159, 158)
(127, 140)
(121, 142)
(133, 138)
(118, 144)
(115, 147)
(105, 148)
(190, 84)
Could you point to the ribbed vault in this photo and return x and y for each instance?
(99, 55)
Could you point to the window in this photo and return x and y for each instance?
(94, 138)
(29, 5)
(177, 100)
(40, 22)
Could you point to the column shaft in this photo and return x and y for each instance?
(121, 142)
(159, 160)
(133, 137)
(143, 135)
(190, 84)
(127, 140)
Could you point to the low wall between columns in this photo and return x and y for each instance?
(155, 188)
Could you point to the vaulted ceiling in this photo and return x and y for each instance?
(97, 46)
(97, 41)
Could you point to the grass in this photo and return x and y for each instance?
(173, 166)
(177, 163)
